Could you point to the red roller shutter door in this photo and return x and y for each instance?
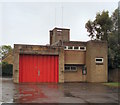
(38, 68)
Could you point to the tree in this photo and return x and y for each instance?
(7, 69)
(4, 50)
(100, 27)
(90, 28)
(114, 39)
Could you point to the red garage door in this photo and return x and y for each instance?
(38, 68)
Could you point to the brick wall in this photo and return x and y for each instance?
(75, 76)
(74, 57)
(95, 72)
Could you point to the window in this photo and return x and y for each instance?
(76, 47)
(70, 47)
(67, 68)
(65, 47)
(83, 48)
(59, 30)
(70, 68)
(99, 60)
(73, 68)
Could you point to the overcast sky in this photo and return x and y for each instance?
(30, 22)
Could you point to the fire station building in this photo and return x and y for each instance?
(61, 61)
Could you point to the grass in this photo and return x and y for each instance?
(112, 84)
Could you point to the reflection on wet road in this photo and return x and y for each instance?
(58, 93)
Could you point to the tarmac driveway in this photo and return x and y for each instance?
(58, 93)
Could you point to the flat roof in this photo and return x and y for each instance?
(61, 28)
(36, 45)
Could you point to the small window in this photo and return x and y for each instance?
(67, 68)
(76, 47)
(65, 47)
(82, 48)
(70, 68)
(70, 47)
(73, 68)
(59, 30)
(99, 60)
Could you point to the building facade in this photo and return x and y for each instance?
(61, 61)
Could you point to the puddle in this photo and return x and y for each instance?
(68, 94)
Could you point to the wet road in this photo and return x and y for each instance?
(58, 93)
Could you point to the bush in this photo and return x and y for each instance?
(7, 69)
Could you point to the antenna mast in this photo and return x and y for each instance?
(62, 16)
(55, 17)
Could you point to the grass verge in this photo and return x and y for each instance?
(112, 84)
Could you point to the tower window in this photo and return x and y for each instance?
(59, 30)
(99, 60)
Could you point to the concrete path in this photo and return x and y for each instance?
(58, 93)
